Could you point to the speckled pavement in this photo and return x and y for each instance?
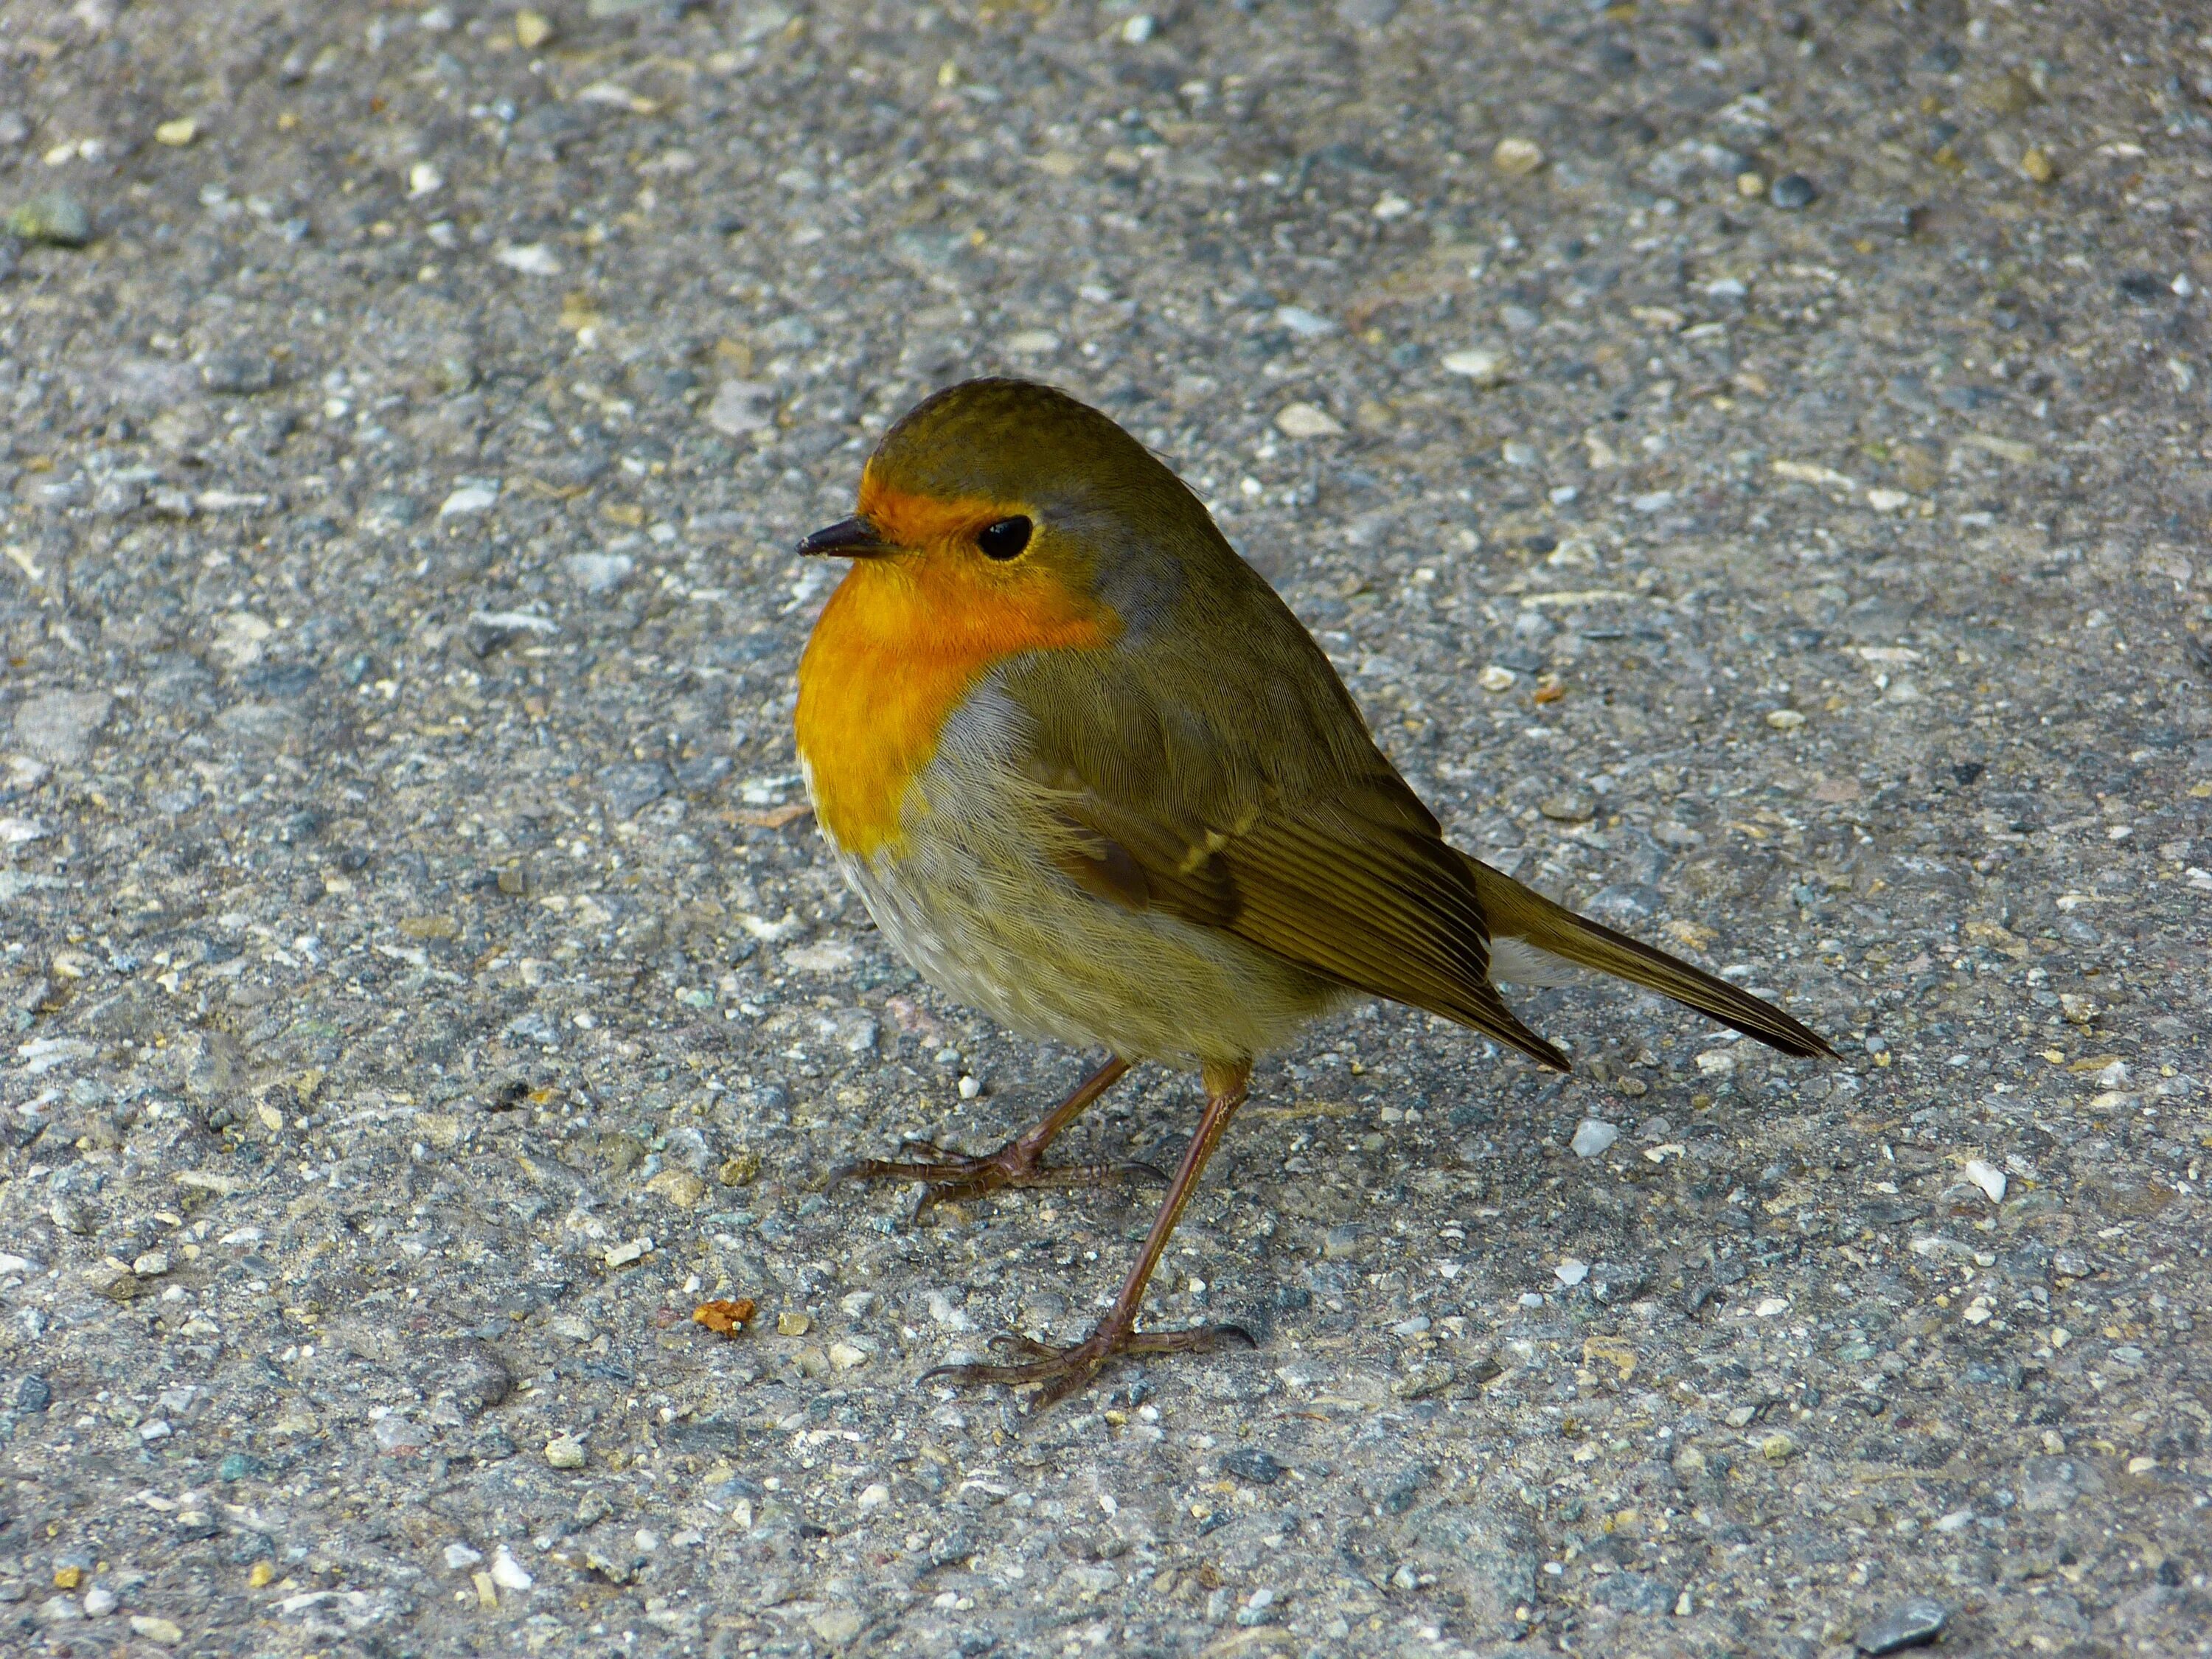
(1749, 463)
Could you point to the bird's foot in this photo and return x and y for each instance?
(950, 1175)
(1060, 1372)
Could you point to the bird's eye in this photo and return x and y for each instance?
(1005, 539)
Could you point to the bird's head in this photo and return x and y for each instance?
(1007, 496)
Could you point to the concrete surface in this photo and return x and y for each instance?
(408, 910)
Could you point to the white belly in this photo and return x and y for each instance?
(972, 898)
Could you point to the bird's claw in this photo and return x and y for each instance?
(1061, 1371)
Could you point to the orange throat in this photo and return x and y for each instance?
(901, 644)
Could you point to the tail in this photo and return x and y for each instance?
(1517, 912)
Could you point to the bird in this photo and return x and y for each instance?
(1090, 775)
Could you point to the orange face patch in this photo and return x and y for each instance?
(904, 641)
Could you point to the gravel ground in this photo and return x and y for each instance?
(1747, 463)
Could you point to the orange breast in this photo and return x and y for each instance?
(900, 646)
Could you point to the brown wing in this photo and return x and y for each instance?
(1243, 792)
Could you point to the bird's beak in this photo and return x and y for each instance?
(848, 538)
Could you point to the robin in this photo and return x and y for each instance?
(1090, 775)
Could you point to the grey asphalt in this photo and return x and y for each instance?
(1748, 462)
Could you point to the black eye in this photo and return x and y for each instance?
(1005, 539)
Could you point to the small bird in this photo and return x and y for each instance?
(1090, 775)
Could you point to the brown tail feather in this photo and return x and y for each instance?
(1490, 1016)
(1516, 911)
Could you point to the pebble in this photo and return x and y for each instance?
(1341, 1242)
(1908, 1625)
(1306, 324)
(1306, 421)
(740, 407)
(58, 726)
(1785, 720)
(1479, 364)
(1792, 191)
(459, 1556)
(635, 1249)
(1988, 1178)
(1517, 158)
(165, 1633)
(1253, 1464)
(57, 218)
(532, 29)
(509, 1573)
(1571, 807)
(599, 574)
(793, 1324)
(469, 498)
(1571, 1272)
(1593, 1136)
(1495, 678)
(100, 1601)
(532, 260)
(178, 133)
(679, 1187)
(565, 1452)
(2036, 165)
(238, 372)
(34, 1394)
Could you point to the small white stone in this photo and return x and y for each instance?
(1137, 30)
(845, 1356)
(1477, 363)
(621, 1255)
(874, 1495)
(970, 1087)
(1306, 421)
(460, 1556)
(1517, 158)
(1771, 1305)
(1717, 1062)
(469, 498)
(156, 1431)
(1305, 323)
(509, 1573)
(532, 260)
(1988, 1178)
(1785, 720)
(100, 1602)
(1033, 342)
(1571, 1272)
(152, 1265)
(1593, 1136)
(1495, 678)
(423, 180)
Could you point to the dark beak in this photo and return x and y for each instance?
(848, 538)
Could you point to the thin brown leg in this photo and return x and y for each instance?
(1019, 1163)
(1064, 1371)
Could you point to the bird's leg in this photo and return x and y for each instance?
(1019, 1163)
(1063, 1371)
